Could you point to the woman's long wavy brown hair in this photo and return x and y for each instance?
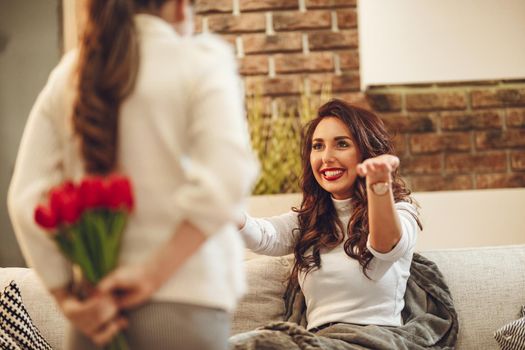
(318, 221)
(107, 70)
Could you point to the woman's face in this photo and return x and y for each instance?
(334, 157)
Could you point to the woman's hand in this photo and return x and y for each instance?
(97, 317)
(130, 286)
(378, 168)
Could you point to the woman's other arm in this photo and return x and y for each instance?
(274, 236)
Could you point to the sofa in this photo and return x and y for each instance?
(487, 284)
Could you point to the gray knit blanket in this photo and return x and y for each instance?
(430, 322)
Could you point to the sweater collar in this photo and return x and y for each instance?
(342, 206)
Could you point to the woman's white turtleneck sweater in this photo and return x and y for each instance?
(339, 291)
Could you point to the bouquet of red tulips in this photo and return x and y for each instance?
(87, 220)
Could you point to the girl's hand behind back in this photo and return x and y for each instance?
(97, 317)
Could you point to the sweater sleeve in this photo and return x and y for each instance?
(219, 166)
(38, 168)
(409, 232)
(273, 236)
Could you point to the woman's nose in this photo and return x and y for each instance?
(328, 155)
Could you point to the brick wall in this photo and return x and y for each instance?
(457, 136)
(449, 136)
(288, 46)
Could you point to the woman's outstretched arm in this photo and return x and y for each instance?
(384, 224)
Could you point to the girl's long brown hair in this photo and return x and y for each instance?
(318, 221)
(107, 70)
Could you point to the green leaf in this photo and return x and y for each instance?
(81, 257)
(116, 230)
(91, 241)
(64, 243)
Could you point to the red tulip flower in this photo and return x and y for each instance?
(119, 193)
(65, 203)
(92, 192)
(45, 217)
(71, 207)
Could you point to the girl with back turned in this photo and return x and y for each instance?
(142, 99)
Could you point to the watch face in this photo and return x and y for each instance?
(380, 188)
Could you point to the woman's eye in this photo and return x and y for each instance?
(343, 144)
(317, 146)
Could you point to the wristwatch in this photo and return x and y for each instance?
(380, 188)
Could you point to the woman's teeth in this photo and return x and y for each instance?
(332, 173)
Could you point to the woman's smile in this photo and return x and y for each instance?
(332, 174)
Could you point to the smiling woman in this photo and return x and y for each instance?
(354, 234)
(346, 149)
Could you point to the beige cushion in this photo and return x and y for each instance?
(488, 287)
(39, 304)
(263, 303)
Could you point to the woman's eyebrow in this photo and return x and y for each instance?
(337, 138)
